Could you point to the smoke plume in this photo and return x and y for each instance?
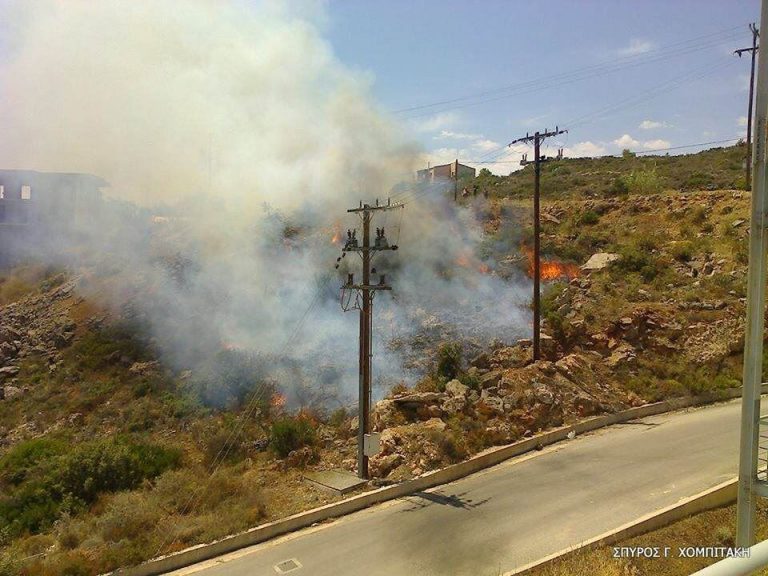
(235, 123)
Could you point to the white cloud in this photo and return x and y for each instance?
(626, 141)
(586, 148)
(656, 144)
(741, 121)
(457, 135)
(652, 124)
(485, 145)
(637, 46)
(440, 121)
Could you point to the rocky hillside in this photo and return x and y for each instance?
(106, 454)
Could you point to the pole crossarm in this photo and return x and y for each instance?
(528, 138)
(368, 208)
(740, 51)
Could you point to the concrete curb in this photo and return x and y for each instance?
(721, 495)
(479, 462)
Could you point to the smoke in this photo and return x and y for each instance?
(237, 123)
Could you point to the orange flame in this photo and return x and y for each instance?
(551, 269)
(277, 400)
(336, 233)
(466, 260)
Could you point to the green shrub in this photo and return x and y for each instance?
(51, 482)
(682, 251)
(289, 434)
(448, 361)
(338, 417)
(645, 181)
(588, 218)
(471, 379)
(618, 187)
(23, 458)
(634, 259)
(699, 215)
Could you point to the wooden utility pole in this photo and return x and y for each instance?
(537, 139)
(364, 302)
(456, 180)
(753, 50)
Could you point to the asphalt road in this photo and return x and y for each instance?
(516, 512)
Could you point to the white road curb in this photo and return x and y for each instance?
(479, 462)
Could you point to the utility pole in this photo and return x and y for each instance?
(537, 139)
(751, 485)
(753, 50)
(364, 302)
(456, 180)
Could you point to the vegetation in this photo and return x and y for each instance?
(289, 434)
(711, 528)
(44, 478)
(716, 168)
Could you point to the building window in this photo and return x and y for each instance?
(26, 192)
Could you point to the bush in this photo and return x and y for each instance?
(66, 482)
(618, 187)
(109, 466)
(635, 260)
(645, 181)
(448, 361)
(289, 434)
(588, 218)
(23, 458)
(682, 251)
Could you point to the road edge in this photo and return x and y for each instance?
(721, 495)
(481, 461)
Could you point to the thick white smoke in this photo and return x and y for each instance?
(236, 119)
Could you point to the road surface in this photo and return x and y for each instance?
(517, 512)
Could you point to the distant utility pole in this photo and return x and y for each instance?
(753, 482)
(753, 50)
(364, 302)
(456, 181)
(537, 139)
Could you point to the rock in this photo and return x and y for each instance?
(435, 424)
(600, 260)
(481, 361)
(11, 392)
(492, 378)
(143, 368)
(549, 218)
(737, 223)
(385, 415)
(417, 398)
(8, 372)
(301, 457)
(381, 466)
(454, 405)
(456, 388)
(490, 405)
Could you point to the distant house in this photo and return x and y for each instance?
(39, 210)
(48, 198)
(445, 172)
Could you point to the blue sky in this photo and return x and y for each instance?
(618, 74)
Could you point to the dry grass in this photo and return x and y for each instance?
(712, 528)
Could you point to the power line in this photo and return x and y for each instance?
(587, 72)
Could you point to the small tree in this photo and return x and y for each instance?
(448, 361)
(627, 154)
